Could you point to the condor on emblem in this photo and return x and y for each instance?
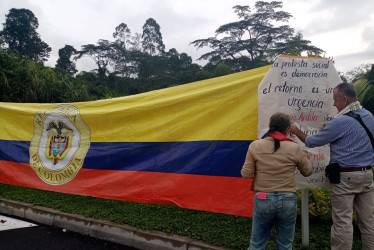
(59, 145)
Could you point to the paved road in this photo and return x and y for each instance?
(16, 234)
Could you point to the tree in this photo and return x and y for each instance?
(152, 39)
(19, 35)
(64, 63)
(176, 62)
(102, 53)
(364, 85)
(246, 43)
(222, 69)
(152, 62)
(125, 59)
(151, 66)
(22, 80)
(295, 46)
(358, 72)
(123, 36)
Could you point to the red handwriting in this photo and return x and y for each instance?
(316, 157)
(304, 117)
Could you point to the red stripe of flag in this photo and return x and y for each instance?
(229, 195)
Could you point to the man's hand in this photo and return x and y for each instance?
(296, 131)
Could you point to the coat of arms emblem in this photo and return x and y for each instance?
(59, 141)
(59, 145)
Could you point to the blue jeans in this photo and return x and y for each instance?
(279, 209)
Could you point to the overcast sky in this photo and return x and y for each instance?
(343, 28)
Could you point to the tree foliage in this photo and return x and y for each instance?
(152, 39)
(295, 45)
(127, 54)
(64, 62)
(20, 36)
(364, 85)
(140, 57)
(123, 36)
(357, 73)
(101, 53)
(22, 80)
(254, 39)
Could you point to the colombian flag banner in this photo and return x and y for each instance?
(183, 145)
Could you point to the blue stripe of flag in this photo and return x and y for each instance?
(215, 158)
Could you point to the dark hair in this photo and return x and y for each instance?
(347, 89)
(279, 122)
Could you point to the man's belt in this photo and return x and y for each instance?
(353, 169)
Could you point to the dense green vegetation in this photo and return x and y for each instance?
(365, 89)
(218, 229)
(132, 62)
(22, 80)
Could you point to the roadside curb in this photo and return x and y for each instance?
(102, 229)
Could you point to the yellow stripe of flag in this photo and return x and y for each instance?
(223, 108)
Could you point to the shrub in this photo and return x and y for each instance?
(319, 204)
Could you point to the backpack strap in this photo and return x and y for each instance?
(358, 118)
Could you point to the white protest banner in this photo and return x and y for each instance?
(302, 88)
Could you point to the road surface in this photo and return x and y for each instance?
(16, 234)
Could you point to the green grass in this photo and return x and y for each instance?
(218, 229)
